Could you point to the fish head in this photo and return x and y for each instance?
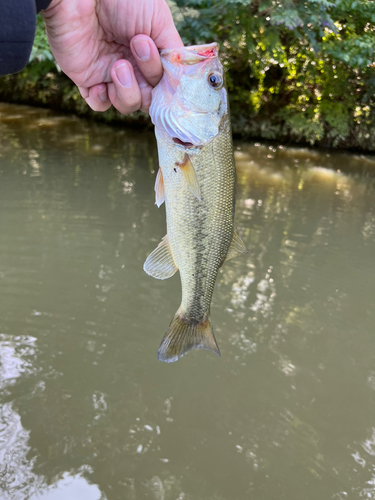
(189, 105)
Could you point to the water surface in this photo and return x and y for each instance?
(86, 410)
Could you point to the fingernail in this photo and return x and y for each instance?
(124, 75)
(142, 49)
(103, 96)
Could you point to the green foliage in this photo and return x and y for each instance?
(297, 70)
(41, 58)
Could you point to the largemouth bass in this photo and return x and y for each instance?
(196, 179)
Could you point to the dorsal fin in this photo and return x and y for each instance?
(237, 247)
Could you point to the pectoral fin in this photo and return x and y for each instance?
(159, 189)
(190, 176)
(237, 247)
(160, 264)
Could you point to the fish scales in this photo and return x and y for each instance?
(197, 182)
(200, 231)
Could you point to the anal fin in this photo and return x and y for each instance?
(160, 264)
(237, 247)
(190, 176)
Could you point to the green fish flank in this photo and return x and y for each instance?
(197, 182)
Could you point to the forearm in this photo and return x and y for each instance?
(17, 31)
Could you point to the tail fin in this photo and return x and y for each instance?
(183, 335)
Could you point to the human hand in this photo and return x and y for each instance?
(109, 48)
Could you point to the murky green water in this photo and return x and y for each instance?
(87, 411)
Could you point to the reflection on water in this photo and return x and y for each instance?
(18, 480)
(69, 487)
(86, 410)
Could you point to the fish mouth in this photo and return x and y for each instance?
(191, 55)
(176, 140)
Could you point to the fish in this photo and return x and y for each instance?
(196, 180)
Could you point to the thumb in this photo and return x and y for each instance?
(164, 32)
(169, 39)
(163, 35)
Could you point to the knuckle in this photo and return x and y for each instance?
(146, 102)
(128, 104)
(126, 110)
(145, 109)
(84, 92)
(97, 105)
(152, 77)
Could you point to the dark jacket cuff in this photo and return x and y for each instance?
(42, 4)
(17, 31)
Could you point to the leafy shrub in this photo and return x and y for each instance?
(296, 70)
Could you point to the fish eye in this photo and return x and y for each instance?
(215, 80)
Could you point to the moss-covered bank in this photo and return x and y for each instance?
(56, 91)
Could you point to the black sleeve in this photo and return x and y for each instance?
(17, 31)
(42, 4)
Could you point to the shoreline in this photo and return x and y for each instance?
(57, 93)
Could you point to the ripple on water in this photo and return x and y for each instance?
(286, 412)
